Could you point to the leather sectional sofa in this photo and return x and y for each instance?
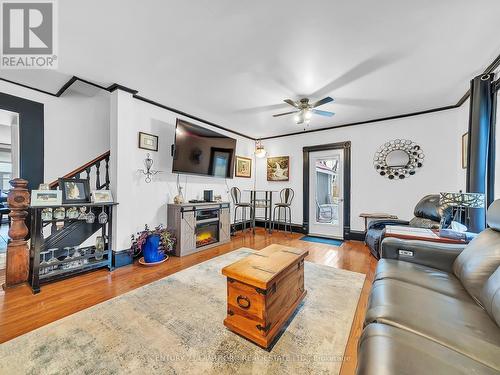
(436, 311)
(428, 214)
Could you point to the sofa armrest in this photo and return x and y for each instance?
(381, 223)
(431, 254)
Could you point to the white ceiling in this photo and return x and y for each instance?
(233, 62)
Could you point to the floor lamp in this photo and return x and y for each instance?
(462, 203)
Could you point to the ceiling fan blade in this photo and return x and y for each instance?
(322, 101)
(323, 113)
(286, 113)
(291, 102)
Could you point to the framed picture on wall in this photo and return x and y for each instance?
(148, 141)
(465, 144)
(278, 168)
(243, 167)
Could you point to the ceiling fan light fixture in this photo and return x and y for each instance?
(308, 115)
(296, 118)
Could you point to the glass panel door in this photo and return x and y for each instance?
(325, 193)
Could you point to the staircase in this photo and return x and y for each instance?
(77, 232)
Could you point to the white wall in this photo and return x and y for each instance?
(438, 133)
(145, 203)
(76, 127)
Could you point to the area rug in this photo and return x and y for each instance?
(174, 326)
(327, 241)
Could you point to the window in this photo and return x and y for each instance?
(5, 168)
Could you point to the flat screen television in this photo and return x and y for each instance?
(202, 151)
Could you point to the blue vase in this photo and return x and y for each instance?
(150, 250)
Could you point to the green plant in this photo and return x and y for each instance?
(167, 239)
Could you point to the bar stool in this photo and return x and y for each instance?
(286, 198)
(236, 197)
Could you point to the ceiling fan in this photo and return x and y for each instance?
(304, 110)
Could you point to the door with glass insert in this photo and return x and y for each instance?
(326, 196)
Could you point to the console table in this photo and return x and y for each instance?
(199, 226)
(57, 254)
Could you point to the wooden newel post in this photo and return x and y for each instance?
(17, 250)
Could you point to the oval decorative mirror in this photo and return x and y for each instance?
(398, 159)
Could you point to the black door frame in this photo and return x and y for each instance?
(31, 137)
(346, 146)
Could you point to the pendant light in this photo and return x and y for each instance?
(260, 151)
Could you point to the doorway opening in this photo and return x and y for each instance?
(327, 190)
(9, 169)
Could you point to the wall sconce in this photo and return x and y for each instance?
(260, 151)
(148, 163)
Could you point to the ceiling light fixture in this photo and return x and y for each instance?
(260, 151)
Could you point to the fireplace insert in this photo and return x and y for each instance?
(207, 233)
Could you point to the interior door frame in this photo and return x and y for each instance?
(31, 137)
(346, 146)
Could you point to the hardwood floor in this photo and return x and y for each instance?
(21, 311)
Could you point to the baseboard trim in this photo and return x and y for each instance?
(296, 228)
(356, 235)
(121, 258)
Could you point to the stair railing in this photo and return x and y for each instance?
(90, 171)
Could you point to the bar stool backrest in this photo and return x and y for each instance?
(286, 196)
(235, 195)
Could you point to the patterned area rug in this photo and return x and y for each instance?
(174, 326)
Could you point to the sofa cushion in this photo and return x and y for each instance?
(427, 277)
(429, 208)
(459, 324)
(421, 222)
(493, 215)
(384, 349)
(490, 296)
(480, 258)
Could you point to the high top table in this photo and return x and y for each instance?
(266, 203)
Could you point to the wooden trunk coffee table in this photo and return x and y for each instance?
(263, 291)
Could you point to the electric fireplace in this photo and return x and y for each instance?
(207, 233)
(199, 225)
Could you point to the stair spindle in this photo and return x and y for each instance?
(97, 176)
(107, 172)
(88, 173)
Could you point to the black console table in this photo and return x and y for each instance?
(62, 261)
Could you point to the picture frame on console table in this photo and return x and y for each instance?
(102, 196)
(74, 190)
(46, 197)
(148, 141)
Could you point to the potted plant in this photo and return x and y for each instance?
(153, 244)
